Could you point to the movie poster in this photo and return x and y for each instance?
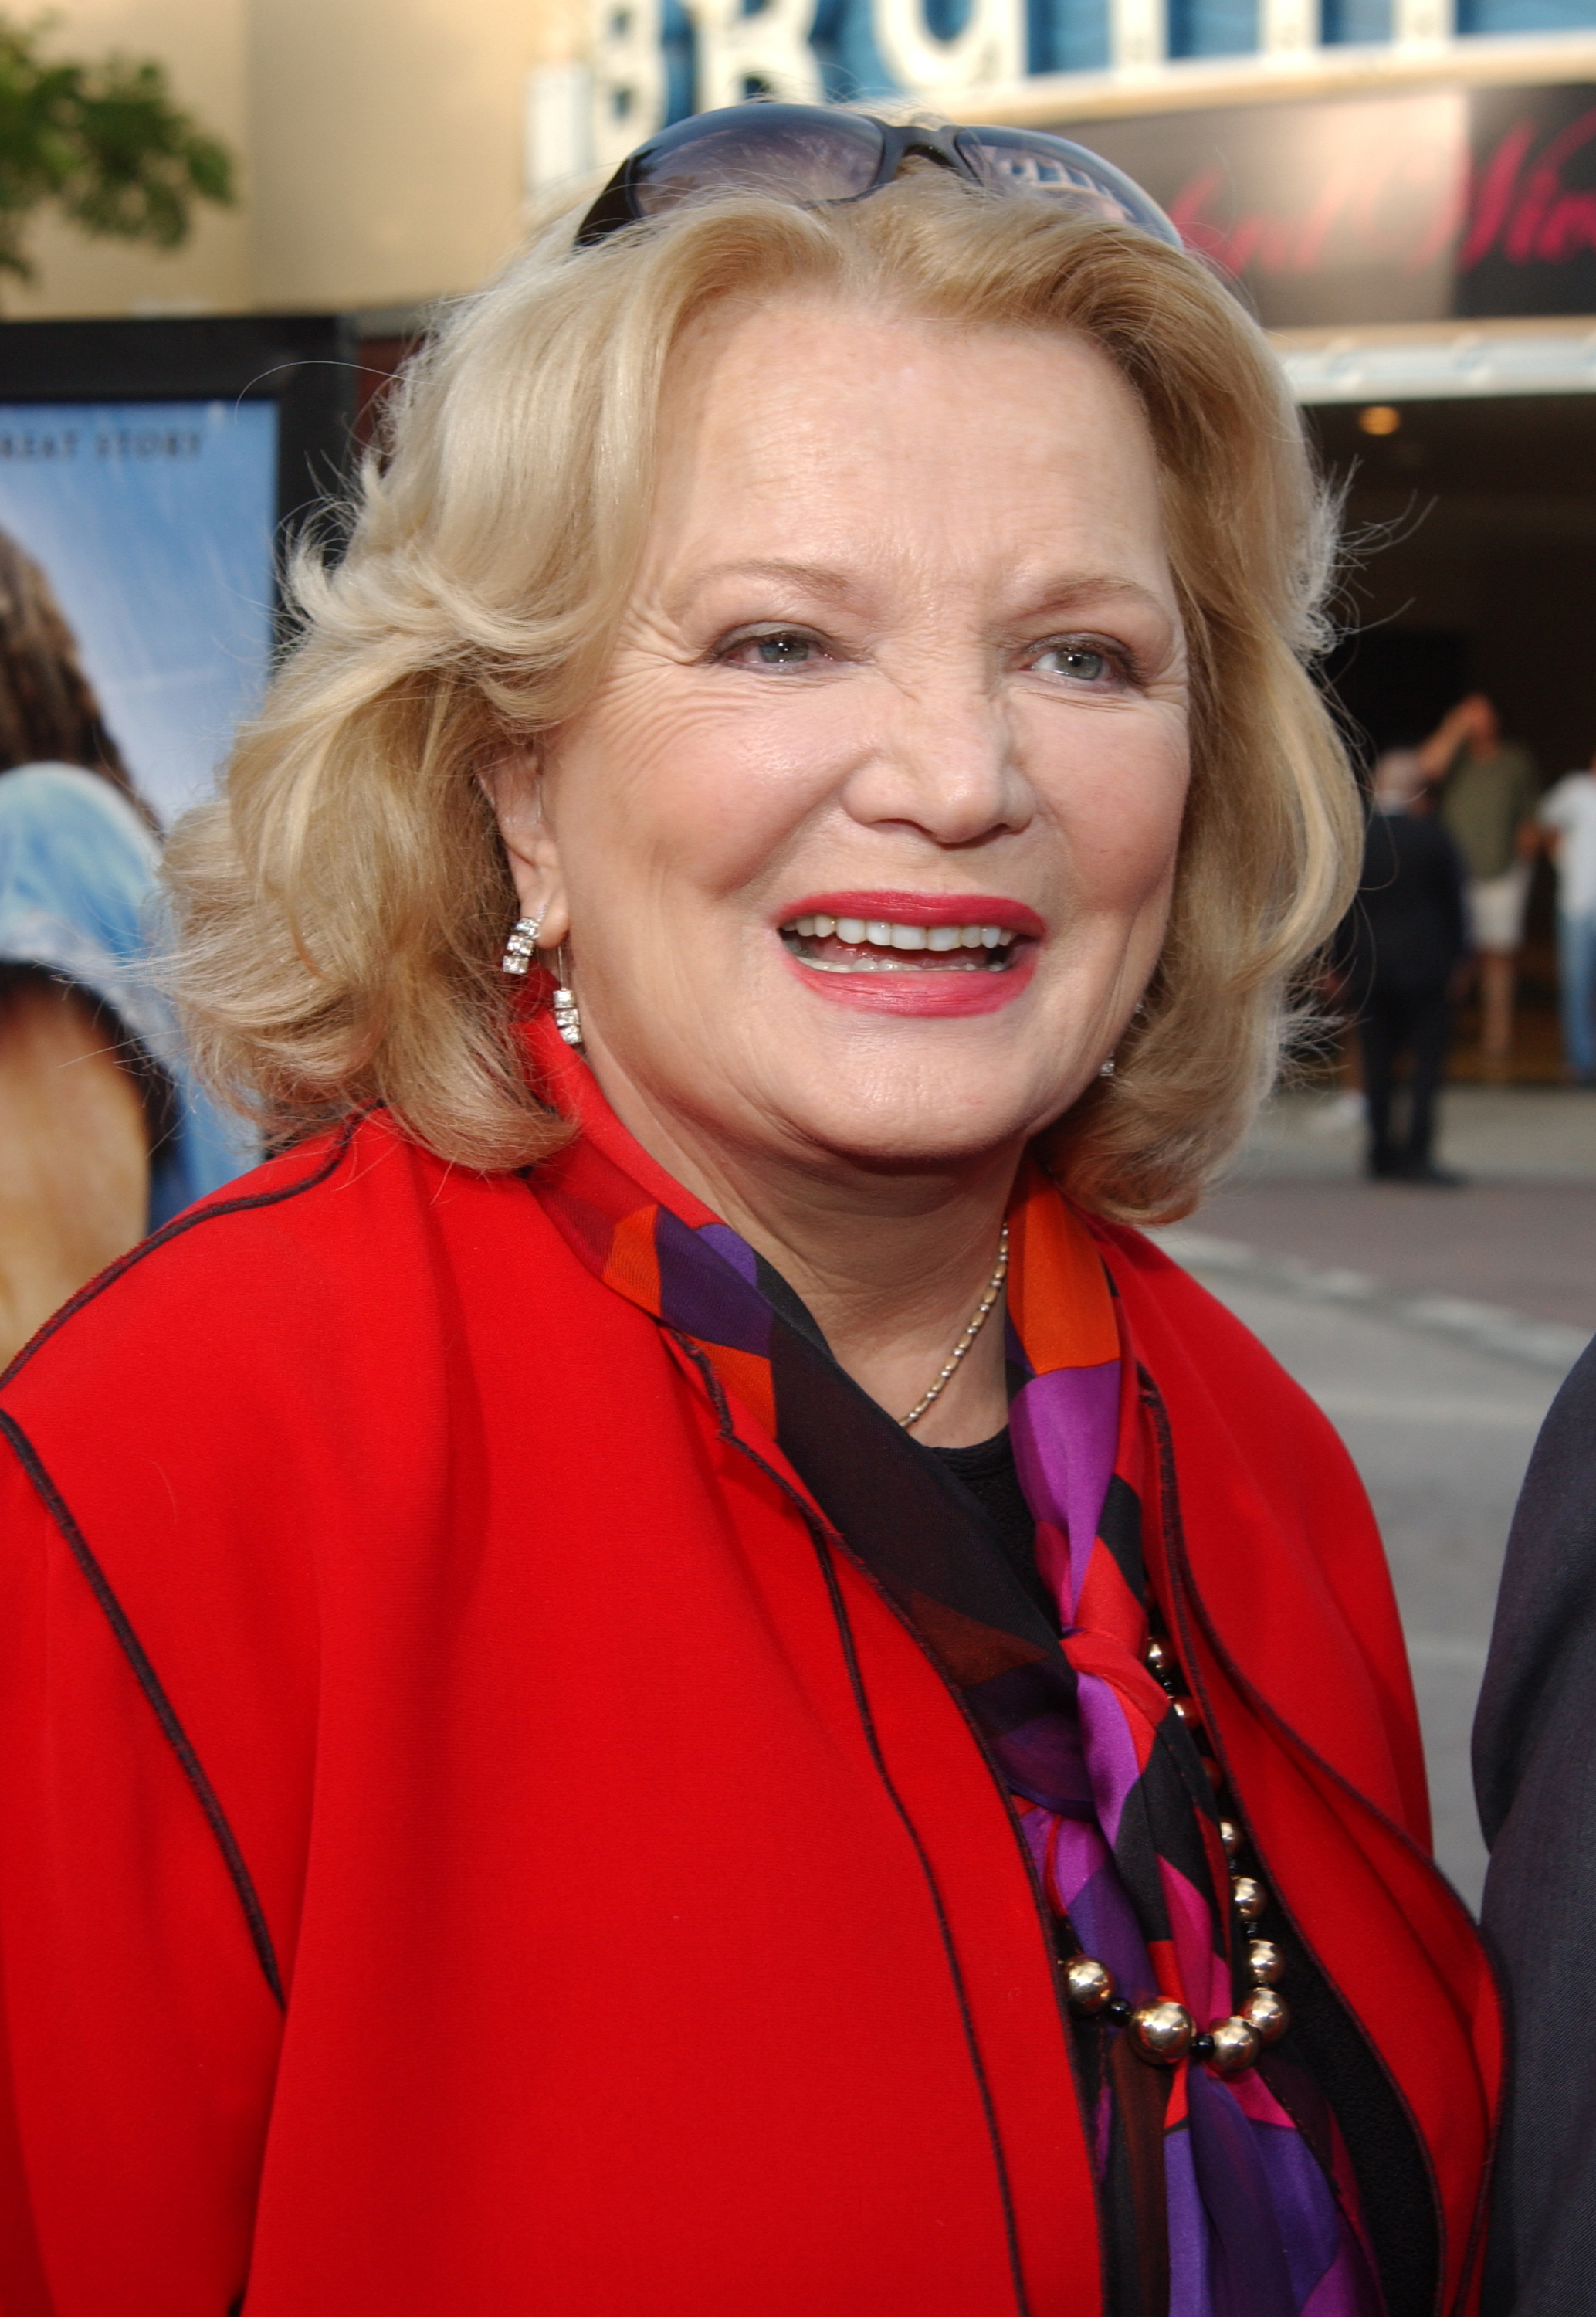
(154, 521)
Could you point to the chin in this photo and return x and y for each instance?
(916, 1129)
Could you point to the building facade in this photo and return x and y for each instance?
(382, 145)
(1405, 191)
(389, 147)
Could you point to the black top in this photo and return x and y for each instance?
(989, 1474)
(1406, 929)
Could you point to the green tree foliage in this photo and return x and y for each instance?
(105, 143)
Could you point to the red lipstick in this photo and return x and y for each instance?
(921, 993)
(921, 909)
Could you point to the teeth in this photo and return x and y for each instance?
(882, 933)
(886, 964)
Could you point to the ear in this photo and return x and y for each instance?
(514, 789)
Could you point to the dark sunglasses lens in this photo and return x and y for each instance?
(797, 152)
(1027, 161)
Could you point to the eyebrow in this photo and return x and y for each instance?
(1053, 596)
(1056, 596)
(817, 577)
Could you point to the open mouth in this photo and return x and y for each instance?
(846, 944)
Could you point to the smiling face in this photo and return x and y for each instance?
(864, 846)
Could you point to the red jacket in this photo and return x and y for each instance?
(443, 1866)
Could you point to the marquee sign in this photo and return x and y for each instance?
(1447, 204)
(1426, 204)
(796, 49)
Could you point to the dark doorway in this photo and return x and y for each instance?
(1471, 530)
(1394, 684)
(1471, 533)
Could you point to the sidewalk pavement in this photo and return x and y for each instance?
(1518, 1235)
(1497, 1135)
(1433, 1327)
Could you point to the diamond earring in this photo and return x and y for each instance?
(522, 946)
(567, 1021)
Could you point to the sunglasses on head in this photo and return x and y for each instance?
(812, 155)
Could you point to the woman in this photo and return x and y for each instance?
(102, 1133)
(713, 1689)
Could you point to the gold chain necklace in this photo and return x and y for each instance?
(995, 1288)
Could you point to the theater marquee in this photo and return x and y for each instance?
(1430, 206)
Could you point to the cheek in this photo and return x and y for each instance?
(1118, 797)
(681, 796)
(625, 793)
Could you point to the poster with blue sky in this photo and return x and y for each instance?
(154, 523)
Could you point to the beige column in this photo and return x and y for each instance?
(386, 139)
(382, 145)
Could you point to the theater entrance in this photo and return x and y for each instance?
(1471, 525)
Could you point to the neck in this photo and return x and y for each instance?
(891, 1263)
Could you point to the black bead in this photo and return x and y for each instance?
(1202, 2046)
(1118, 2010)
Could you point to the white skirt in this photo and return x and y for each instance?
(1496, 907)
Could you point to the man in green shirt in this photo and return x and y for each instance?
(1487, 789)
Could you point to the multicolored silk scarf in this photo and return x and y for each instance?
(1221, 2200)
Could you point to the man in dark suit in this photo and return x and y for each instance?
(1535, 1776)
(1403, 941)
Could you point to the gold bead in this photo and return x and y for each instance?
(1266, 2014)
(1235, 2044)
(1266, 1962)
(1090, 1984)
(1188, 1711)
(1251, 1897)
(1230, 1835)
(1162, 2031)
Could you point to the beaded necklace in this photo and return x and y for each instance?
(1165, 2031)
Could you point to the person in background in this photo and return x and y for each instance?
(1568, 818)
(1534, 1778)
(1406, 938)
(1486, 788)
(102, 1136)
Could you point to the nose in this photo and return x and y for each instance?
(939, 757)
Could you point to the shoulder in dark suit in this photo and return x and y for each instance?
(1535, 1775)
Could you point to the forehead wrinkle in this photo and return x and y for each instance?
(818, 579)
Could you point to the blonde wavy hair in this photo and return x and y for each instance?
(342, 909)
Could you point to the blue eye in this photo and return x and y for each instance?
(1079, 660)
(775, 651)
(782, 651)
